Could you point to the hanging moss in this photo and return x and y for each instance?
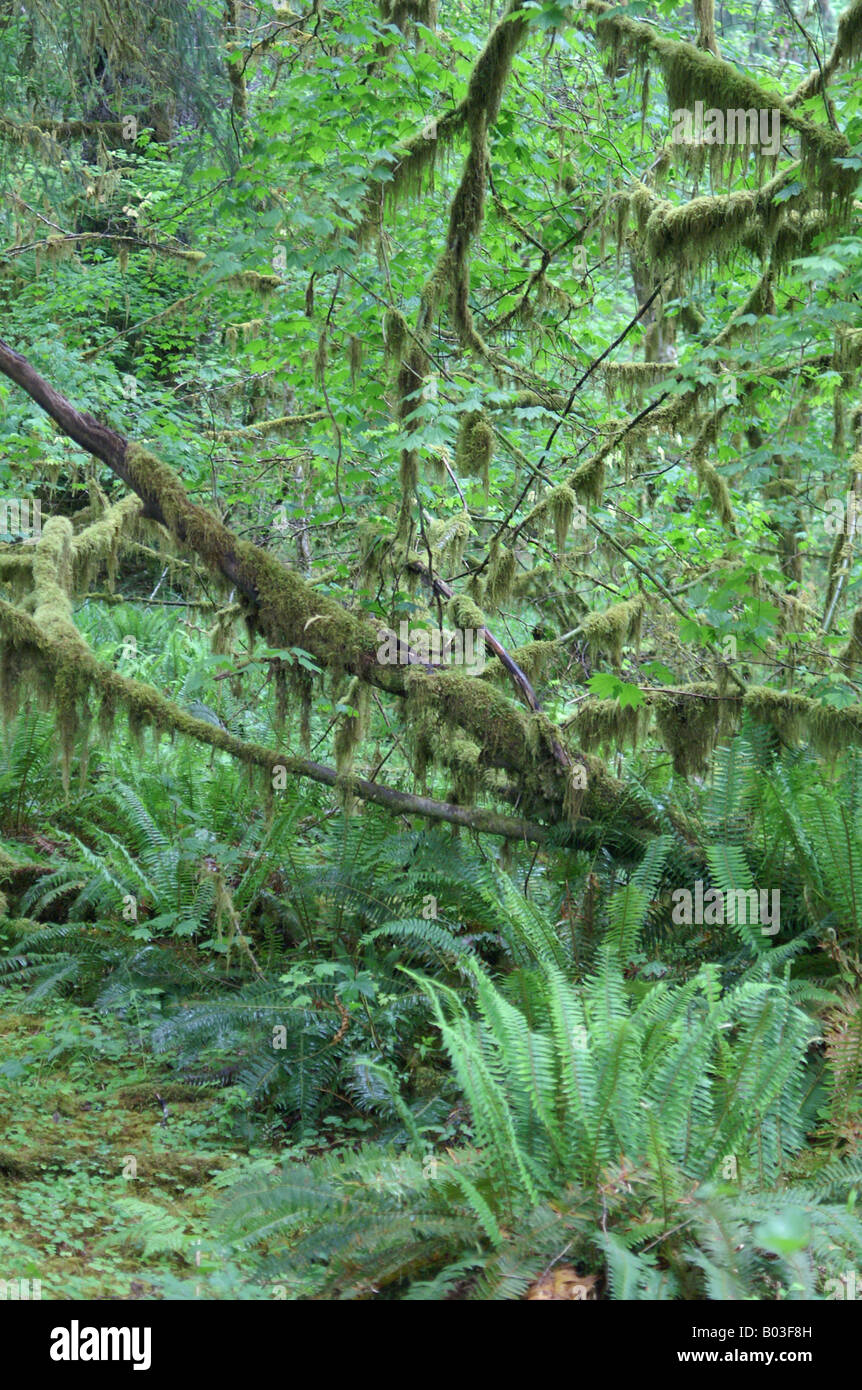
(265, 427)
(839, 434)
(352, 729)
(847, 355)
(607, 723)
(320, 357)
(264, 285)
(632, 378)
(52, 577)
(688, 234)
(375, 550)
(395, 333)
(588, 481)
(692, 74)
(464, 613)
(462, 758)
(475, 446)
(784, 711)
(852, 653)
(719, 493)
(610, 630)
(690, 727)
(501, 572)
(558, 504)
(99, 543)
(16, 568)
(537, 658)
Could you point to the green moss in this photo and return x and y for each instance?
(474, 447)
(632, 378)
(501, 572)
(690, 726)
(448, 538)
(605, 722)
(609, 630)
(465, 613)
(719, 493)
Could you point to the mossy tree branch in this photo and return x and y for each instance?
(288, 612)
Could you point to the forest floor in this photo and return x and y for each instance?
(109, 1167)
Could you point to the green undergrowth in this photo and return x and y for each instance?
(79, 1114)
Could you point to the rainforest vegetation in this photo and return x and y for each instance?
(430, 646)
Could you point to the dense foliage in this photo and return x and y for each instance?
(430, 619)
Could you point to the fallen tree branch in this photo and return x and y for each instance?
(145, 704)
(287, 611)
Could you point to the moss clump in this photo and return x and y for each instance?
(716, 486)
(606, 722)
(474, 447)
(501, 572)
(448, 538)
(559, 505)
(784, 711)
(691, 724)
(609, 630)
(465, 613)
